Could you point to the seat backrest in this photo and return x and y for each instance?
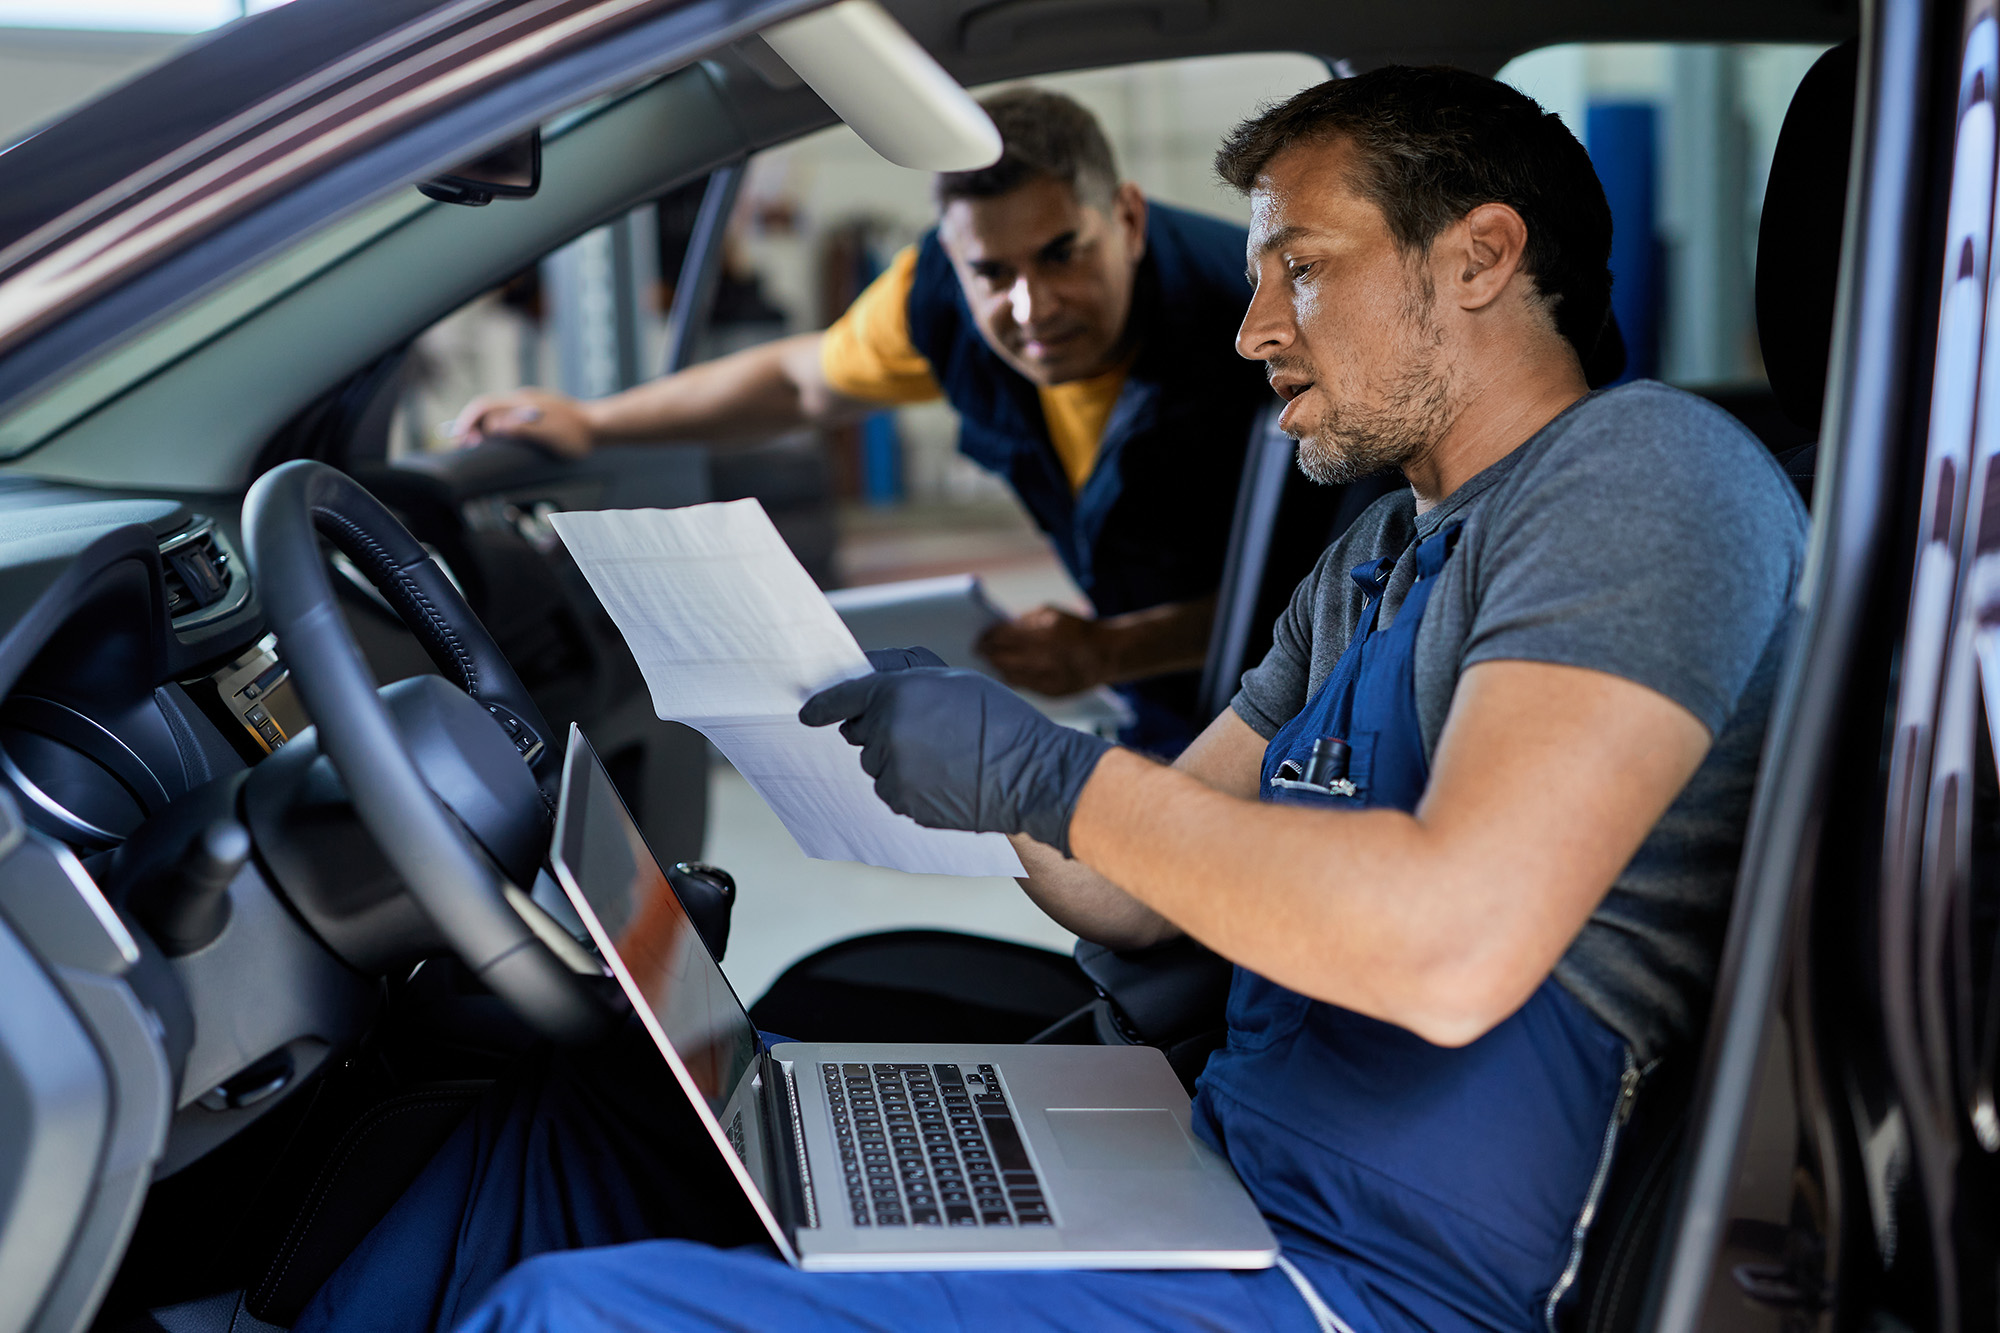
(1799, 234)
(1798, 260)
(1283, 521)
(1798, 247)
(1265, 463)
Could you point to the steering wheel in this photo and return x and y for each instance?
(463, 892)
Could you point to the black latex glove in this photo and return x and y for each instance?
(902, 659)
(954, 749)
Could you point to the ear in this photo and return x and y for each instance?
(950, 226)
(1479, 255)
(1128, 212)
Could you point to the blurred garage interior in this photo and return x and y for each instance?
(1682, 137)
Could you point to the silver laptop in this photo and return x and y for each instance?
(879, 1157)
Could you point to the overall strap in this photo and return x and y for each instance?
(1288, 771)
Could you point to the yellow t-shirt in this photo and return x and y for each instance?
(867, 354)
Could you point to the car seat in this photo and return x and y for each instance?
(1798, 247)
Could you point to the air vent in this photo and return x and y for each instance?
(198, 568)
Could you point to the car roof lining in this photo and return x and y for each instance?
(207, 387)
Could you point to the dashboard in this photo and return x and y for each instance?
(136, 674)
(142, 701)
(185, 889)
(134, 680)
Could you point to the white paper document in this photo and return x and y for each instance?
(733, 635)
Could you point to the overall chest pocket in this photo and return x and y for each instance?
(1360, 772)
(1261, 1012)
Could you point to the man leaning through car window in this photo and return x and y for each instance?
(1468, 832)
(1081, 336)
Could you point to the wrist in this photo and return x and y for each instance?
(1077, 755)
(1157, 639)
(596, 414)
(1111, 649)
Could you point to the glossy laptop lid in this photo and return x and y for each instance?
(675, 985)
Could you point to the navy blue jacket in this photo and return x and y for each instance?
(1151, 523)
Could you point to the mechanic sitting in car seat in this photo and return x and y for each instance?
(1468, 832)
(1079, 333)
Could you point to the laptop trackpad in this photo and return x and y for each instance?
(1149, 1138)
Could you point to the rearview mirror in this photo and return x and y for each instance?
(511, 171)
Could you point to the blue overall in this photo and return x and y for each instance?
(1444, 1184)
(1412, 1187)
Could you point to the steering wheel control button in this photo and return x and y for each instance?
(525, 740)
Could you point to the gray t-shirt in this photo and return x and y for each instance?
(1642, 533)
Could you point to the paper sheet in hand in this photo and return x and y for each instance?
(733, 636)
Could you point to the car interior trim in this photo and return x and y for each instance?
(326, 189)
(237, 127)
(887, 88)
(54, 1085)
(98, 839)
(1880, 265)
(618, 153)
(74, 560)
(123, 367)
(235, 176)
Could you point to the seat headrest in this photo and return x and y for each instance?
(1798, 241)
(1606, 361)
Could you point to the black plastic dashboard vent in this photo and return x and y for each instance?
(197, 567)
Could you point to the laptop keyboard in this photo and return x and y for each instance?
(931, 1145)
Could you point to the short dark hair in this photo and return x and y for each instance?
(1043, 135)
(1433, 144)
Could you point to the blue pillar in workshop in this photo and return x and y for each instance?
(1622, 138)
(881, 442)
(881, 459)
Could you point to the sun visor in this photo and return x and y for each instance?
(873, 74)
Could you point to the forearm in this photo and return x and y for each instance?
(1085, 902)
(1356, 908)
(1543, 784)
(759, 391)
(1156, 640)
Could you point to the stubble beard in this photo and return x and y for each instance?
(1348, 442)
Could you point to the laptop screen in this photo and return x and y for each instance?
(639, 919)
